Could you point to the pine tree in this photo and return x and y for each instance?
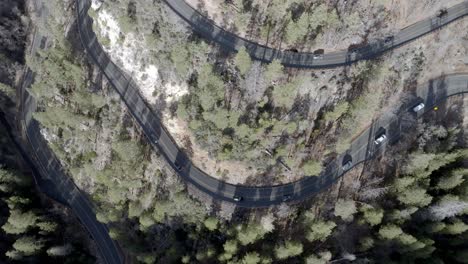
(211, 223)
(288, 249)
(243, 61)
(230, 249)
(373, 216)
(250, 233)
(312, 168)
(390, 231)
(296, 31)
(47, 226)
(455, 228)
(251, 258)
(19, 222)
(273, 71)
(320, 230)
(454, 179)
(345, 209)
(416, 196)
(449, 206)
(28, 245)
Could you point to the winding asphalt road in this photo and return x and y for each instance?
(361, 149)
(231, 42)
(49, 172)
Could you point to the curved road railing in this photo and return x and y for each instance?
(53, 178)
(232, 42)
(361, 149)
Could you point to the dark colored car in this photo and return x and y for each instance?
(389, 39)
(177, 166)
(286, 197)
(442, 12)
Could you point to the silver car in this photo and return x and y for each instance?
(347, 165)
(418, 107)
(380, 139)
(318, 56)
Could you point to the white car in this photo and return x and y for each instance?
(237, 198)
(347, 165)
(318, 56)
(380, 139)
(418, 107)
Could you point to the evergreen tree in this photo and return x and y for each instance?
(211, 223)
(28, 245)
(345, 209)
(19, 222)
(288, 249)
(373, 216)
(452, 180)
(273, 71)
(390, 231)
(243, 61)
(251, 258)
(320, 230)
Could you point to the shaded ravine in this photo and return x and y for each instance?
(49, 173)
(232, 42)
(361, 149)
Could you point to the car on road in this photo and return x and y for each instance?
(286, 197)
(347, 165)
(442, 12)
(389, 39)
(237, 198)
(380, 139)
(418, 107)
(155, 141)
(318, 56)
(177, 166)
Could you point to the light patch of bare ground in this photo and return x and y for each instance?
(132, 56)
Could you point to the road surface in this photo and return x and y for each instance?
(53, 178)
(361, 149)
